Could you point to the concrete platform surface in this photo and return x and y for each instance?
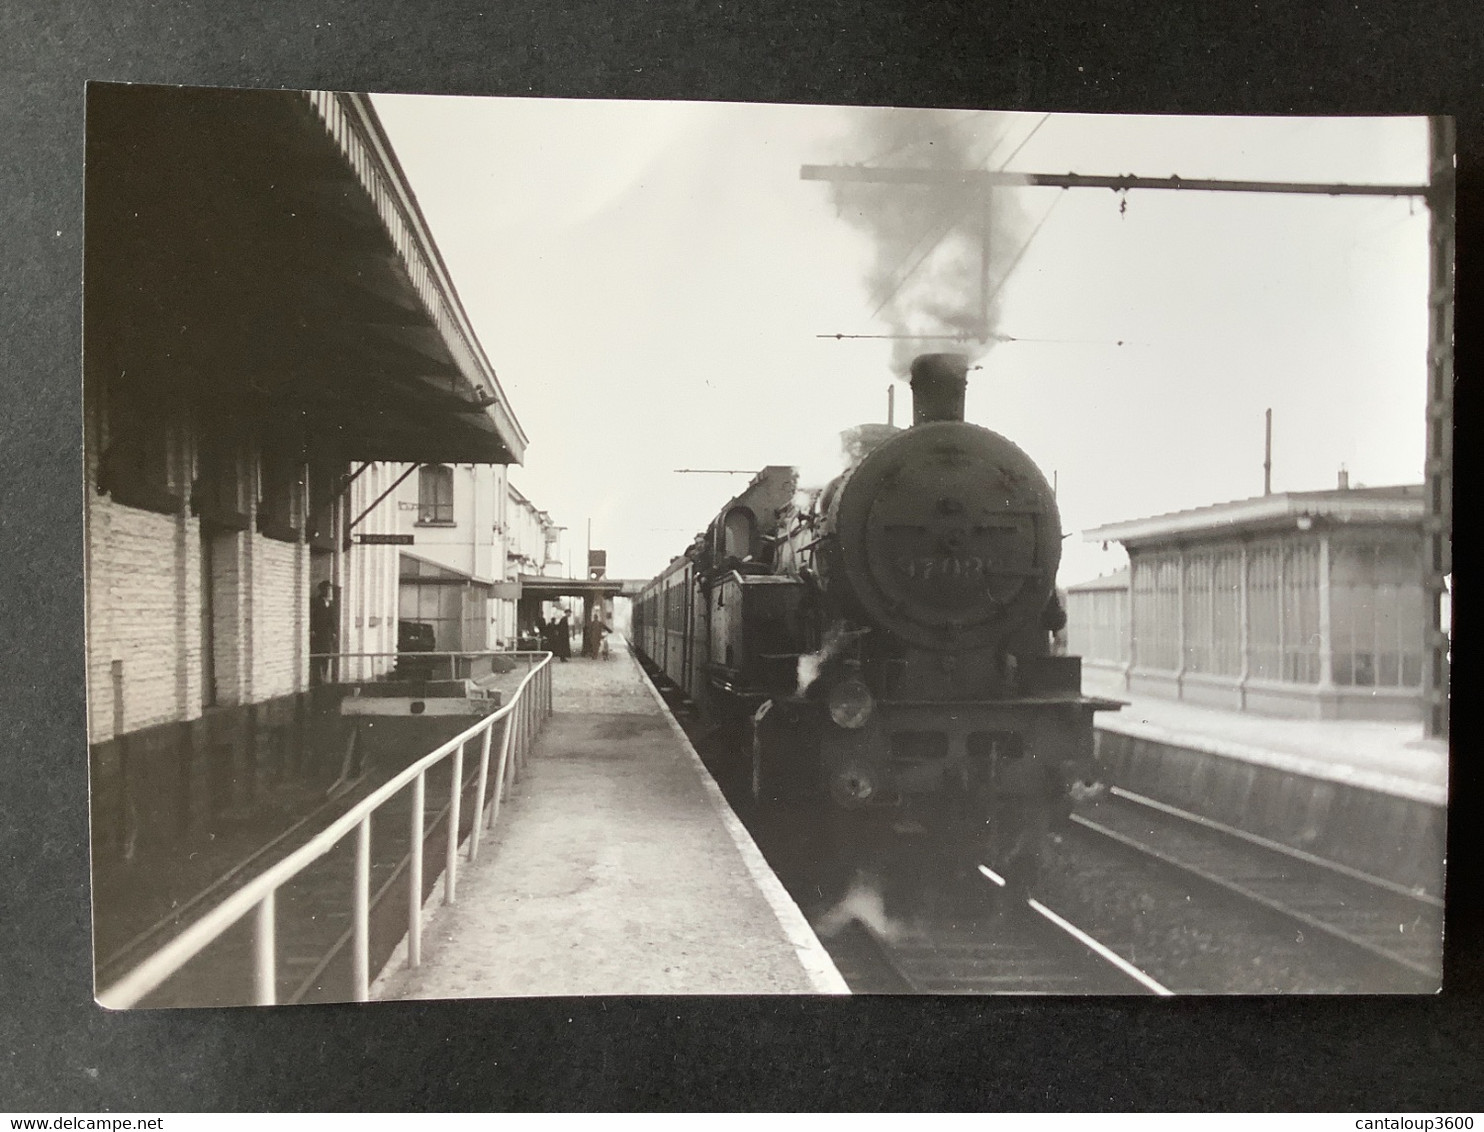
(1392, 758)
(616, 868)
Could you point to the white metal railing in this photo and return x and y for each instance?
(522, 718)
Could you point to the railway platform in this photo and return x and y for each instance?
(1392, 758)
(1370, 795)
(617, 868)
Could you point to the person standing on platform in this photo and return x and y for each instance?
(562, 646)
(543, 634)
(594, 637)
(324, 631)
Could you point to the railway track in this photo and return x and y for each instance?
(1381, 923)
(1009, 946)
(1265, 918)
(314, 915)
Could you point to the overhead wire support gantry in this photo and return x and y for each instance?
(1438, 194)
(902, 175)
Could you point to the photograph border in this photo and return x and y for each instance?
(67, 1053)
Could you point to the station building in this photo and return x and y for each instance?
(270, 332)
(1297, 604)
(474, 534)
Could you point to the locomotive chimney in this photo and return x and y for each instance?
(938, 384)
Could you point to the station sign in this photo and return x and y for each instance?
(382, 540)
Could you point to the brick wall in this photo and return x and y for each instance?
(280, 603)
(233, 645)
(144, 573)
(144, 596)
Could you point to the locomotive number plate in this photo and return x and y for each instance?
(924, 568)
(949, 536)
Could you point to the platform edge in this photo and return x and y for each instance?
(816, 961)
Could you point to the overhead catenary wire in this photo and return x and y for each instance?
(1005, 278)
(933, 236)
(1024, 247)
(1016, 151)
(937, 233)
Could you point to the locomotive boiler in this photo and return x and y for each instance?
(888, 640)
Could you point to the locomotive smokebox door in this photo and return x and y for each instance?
(949, 537)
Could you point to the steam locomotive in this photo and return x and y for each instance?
(887, 642)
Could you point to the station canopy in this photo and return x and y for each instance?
(550, 589)
(261, 254)
(1399, 504)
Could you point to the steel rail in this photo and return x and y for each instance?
(258, 896)
(1101, 950)
(1250, 894)
(1420, 895)
(901, 960)
(889, 954)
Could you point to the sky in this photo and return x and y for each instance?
(658, 289)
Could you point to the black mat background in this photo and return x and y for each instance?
(61, 1053)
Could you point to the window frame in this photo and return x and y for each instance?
(430, 511)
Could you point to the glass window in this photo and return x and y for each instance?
(435, 494)
(1156, 613)
(1301, 640)
(1226, 612)
(1376, 615)
(437, 604)
(738, 533)
(1197, 614)
(1264, 611)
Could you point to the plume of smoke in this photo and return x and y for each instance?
(831, 459)
(825, 460)
(862, 904)
(929, 274)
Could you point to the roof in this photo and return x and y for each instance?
(414, 565)
(261, 252)
(548, 589)
(1401, 505)
(1118, 580)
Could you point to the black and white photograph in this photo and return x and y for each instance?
(576, 547)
